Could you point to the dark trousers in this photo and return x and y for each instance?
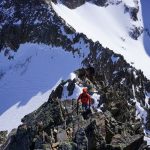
(84, 107)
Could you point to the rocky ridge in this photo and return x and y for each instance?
(121, 87)
(57, 125)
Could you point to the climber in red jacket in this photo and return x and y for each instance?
(85, 99)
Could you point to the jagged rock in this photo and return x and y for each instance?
(20, 140)
(95, 137)
(147, 86)
(127, 143)
(81, 139)
(3, 137)
(100, 2)
(73, 3)
(103, 130)
(118, 140)
(68, 146)
(32, 135)
(61, 135)
(133, 11)
(51, 110)
(9, 137)
(70, 87)
(38, 142)
(76, 3)
(58, 92)
(42, 141)
(148, 119)
(137, 128)
(135, 32)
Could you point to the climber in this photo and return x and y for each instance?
(85, 99)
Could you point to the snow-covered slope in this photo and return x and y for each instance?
(111, 26)
(28, 78)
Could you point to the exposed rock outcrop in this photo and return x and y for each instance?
(56, 124)
(135, 32)
(73, 3)
(3, 137)
(133, 11)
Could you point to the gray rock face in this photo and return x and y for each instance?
(73, 3)
(81, 139)
(21, 140)
(3, 137)
(133, 11)
(135, 32)
(67, 146)
(133, 142)
(96, 133)
(51, 110)
(100, 2)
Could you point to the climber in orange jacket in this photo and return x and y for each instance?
(85, 99)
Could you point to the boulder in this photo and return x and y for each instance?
(128, 142)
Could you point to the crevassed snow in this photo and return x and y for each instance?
(110, 26)
(29, 78)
